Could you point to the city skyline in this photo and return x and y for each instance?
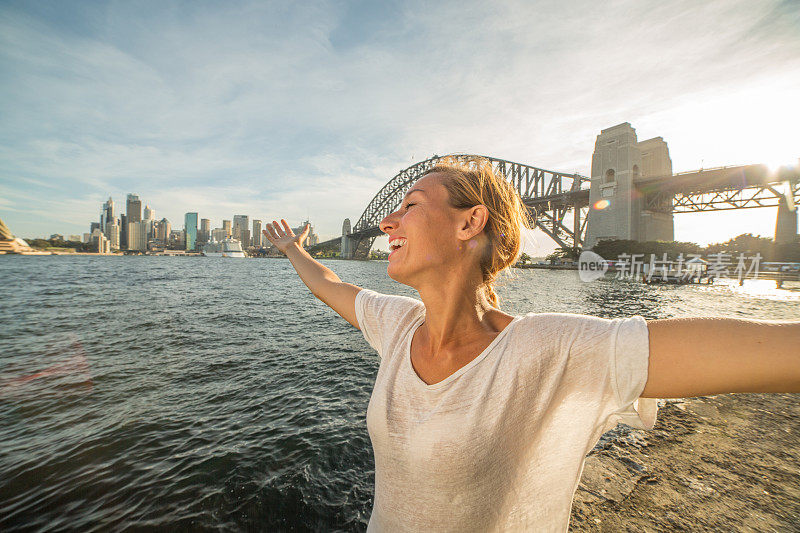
(137, 229)
(249, 114)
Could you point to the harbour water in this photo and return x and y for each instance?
(216, 394)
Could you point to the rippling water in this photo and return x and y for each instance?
(206, 393)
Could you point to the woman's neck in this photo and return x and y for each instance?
(458, 314)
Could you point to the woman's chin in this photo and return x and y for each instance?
(393, 272)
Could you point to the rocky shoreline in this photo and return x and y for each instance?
(729, 462)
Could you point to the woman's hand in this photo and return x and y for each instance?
(284, 237)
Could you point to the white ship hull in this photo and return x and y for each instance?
(224, 254)
(226, 248)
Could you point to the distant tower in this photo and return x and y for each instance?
(616, 206)
(107, 217)
(347, 243)
(241, 229)
(204, 233)
(134, 208)
(257, 236)
(190, 227)
(226, 225)
(149, 214)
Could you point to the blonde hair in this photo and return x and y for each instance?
(471, 181)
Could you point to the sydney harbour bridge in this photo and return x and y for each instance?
(632, 194)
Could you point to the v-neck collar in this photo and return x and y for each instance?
(415, 377)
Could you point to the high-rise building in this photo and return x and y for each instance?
(137, 236)
(112, 233)
(190, 227)
(123, 231)
(163, 228)
(177, 239)
(312, 238)
(87, 238)
(149, 214)
(134, 208)
(241, 229)
(107, 216)
(218, 234)
(257, 236)
(226, 225)
(100, 243)
(204, 233)
(93, 226)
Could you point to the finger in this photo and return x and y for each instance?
(288, 229)
(268, 236)
(278, 229)
(272, 232)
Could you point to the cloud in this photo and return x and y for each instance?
(296, 110)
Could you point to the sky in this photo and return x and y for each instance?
(302, 110)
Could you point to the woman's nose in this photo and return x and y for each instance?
(387, 224)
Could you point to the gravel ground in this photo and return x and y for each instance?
(729, 462)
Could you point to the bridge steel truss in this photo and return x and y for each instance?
(721, 189)
(548, 196)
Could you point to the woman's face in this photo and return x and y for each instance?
(428, 227)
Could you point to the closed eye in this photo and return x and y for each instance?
(409, 205)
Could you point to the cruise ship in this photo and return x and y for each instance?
(224, 248)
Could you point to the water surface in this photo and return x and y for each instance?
(209, 393)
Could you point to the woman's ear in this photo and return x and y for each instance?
(473, 220)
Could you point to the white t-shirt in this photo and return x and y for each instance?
(500, 444)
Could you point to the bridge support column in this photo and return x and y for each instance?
(616, 205)
(347, 247)
(786, 223)
(347, 243)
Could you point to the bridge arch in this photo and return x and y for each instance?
(546, 194)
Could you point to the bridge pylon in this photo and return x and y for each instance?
(617, 208)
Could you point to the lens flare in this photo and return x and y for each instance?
(601, 204)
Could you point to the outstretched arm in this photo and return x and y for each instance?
(705, 356)
(324, 284)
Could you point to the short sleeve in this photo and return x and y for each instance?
(631, 356)
(606, 361)
(383, 317)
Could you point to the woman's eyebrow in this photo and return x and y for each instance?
(413, 190)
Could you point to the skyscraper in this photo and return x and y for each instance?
(226, 225)
(190, 227)
(204, 233)
(149, 214)
(137, 236)
(123, 231)
(134, 208)
(219, 234)
(112, 233)
(241, 229)
(134, 212)
(163, 229)
(107, 216)
(311, 238)
(257, 236)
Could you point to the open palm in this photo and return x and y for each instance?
(283, 237)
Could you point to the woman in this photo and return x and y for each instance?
(480, 420)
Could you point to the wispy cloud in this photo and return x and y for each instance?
(287, 109)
